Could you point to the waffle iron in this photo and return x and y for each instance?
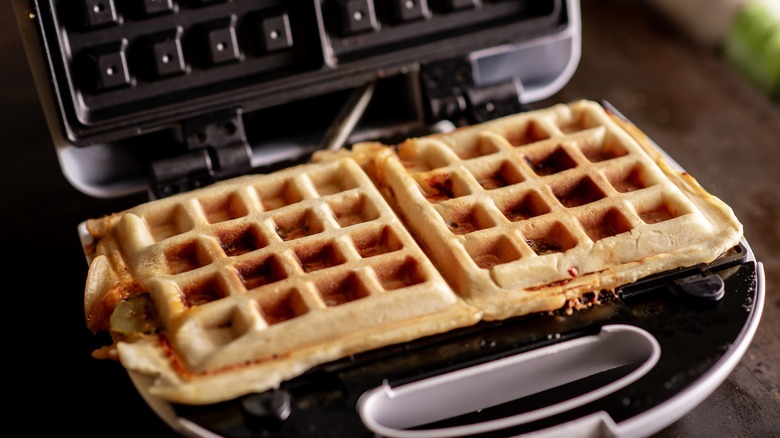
(164, 96)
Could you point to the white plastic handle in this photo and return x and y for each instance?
(390, 412)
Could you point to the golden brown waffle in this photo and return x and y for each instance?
(236, 287)
(526, 213)
(233, 288)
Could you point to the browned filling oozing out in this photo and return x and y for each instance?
(588, 299)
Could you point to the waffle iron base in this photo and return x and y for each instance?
(701, 336)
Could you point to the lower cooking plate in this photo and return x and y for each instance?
(630, 365)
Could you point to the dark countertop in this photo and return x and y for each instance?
(717, 126)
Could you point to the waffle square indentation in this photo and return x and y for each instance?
(582, 192)
(374, 242)
(500, 174)
(483, 145)
(530, 205)
(581, 121)
(605, 224)
(203, 292)
(550, 161)
(222, 208)
(260, 272)
(349, 287)
(629, 179)
(227, 326)
(186, 257)
(494, 251)
(281, 306)
(353, 210)
(333, 180)
(442, 186)
(423, 157)
(316, 257)
(168, 223)
(660, 210)
(240, 240)
(551, 239)
(526, 134)
(278, 194)
(468, 218)
(606, 149)
(399, 274)
(297, 224)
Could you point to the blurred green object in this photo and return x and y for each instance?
(753, 44)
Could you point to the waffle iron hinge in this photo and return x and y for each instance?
(451, 93)
(216, 149)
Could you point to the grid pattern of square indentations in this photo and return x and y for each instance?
(288, 244)
(373, 258)
(548, 184)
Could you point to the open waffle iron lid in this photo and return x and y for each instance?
(169, 96)
(165, 96)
